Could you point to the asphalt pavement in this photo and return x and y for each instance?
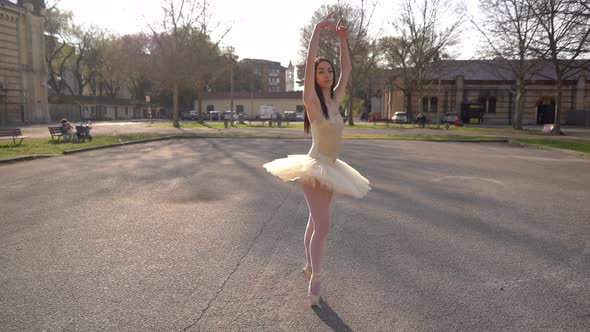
(194, 235)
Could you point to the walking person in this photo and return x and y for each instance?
(319, 171)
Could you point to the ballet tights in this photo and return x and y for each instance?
(318, 225)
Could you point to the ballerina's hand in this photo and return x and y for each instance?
(341, 29)
(327, 21)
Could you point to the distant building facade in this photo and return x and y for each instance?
(273, 75)
(249, 103)
(487, 86)
(23, 72)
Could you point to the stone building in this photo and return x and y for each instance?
(487, 88)
(23, 72)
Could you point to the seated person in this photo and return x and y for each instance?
(68, 130)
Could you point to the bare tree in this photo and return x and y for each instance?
(58, 52)
(86, 58)
(135, 49)
(563, 39)
(182, 48)
(510, 29)
(245, 79)
(357, 20)
(113, 65)
(421, 38)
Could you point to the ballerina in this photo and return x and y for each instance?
(320, 172)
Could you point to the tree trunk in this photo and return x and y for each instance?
(350, 112)
(519, 105)
(175, 105)
(557, 121)
(200, 99)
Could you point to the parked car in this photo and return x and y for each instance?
(214, 116)
(289, 115)
(299, 116)
(365, 116)
(449, 117)
(400, 117)
(190, 115)
(227, 115)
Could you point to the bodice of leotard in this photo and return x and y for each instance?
(326, 135)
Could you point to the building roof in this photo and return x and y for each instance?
(497, 70)
(103, 100)
(263, 62)
(7, 2)
(248, 95)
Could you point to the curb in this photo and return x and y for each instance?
(164, 138)
(26, 158)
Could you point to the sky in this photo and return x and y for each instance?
(260, 29)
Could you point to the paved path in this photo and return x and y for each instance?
(193, 235)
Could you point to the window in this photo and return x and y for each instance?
(491, 107)
(482, 101)
(488, 104)
(425, 105)
(299, 108)
(126, 110)
(210, 108)
(240, 108)
(434, 104)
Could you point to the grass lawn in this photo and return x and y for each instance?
(220, 125)
(42, 146)
(580, 146)
(364, 125)
(421, 137)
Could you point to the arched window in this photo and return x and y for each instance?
(425, 105)
(434, 104)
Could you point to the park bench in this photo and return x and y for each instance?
(13, 134)
(56, 133)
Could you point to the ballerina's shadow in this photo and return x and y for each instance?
(330, 317)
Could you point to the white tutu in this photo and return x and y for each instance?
(336, 176)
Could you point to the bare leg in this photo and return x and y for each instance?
(307, 241)
(318, 201)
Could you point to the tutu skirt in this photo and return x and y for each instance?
(336, 176)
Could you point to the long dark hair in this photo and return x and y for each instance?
(318, 91)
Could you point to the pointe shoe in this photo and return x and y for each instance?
(314, 282)
(307, 272)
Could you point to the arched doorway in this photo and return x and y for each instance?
(546, 111)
